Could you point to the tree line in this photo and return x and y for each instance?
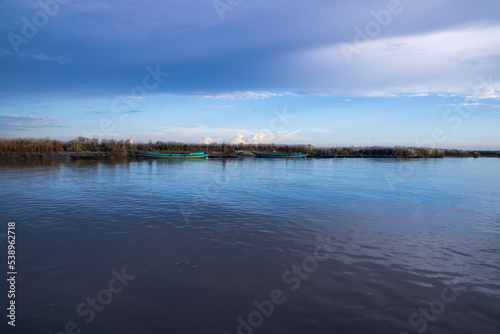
(46, 147)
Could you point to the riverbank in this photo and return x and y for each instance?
(50, 148)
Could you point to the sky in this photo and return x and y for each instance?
(319, 72)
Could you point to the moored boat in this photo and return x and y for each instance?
(279, 155)
(156, 155)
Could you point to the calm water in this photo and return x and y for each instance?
(337, 245)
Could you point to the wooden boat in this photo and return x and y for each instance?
(156, 155)
(279, 155)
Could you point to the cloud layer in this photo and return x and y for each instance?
(96, 48)
(159, 69)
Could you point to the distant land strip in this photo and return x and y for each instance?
(47, 148)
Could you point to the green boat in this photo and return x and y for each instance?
(156, 155)
(279, 155)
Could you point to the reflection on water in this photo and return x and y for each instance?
(211, 242)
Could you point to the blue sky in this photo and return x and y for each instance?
(320, 72)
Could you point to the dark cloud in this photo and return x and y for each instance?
(94, 48)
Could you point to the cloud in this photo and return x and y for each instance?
(486, 105)
(239, 139)
(95, 100)
(5, 53)
(132, 111)
(380, 142)
(415, 65)
(246, 95)
(250, 54)
(109, 112)
(217, 107)
(28, 122)
(267, 137)
(229, 135)
(96, 112)
(228, 95)
(478, 60)
(318, 130)
(38, 55)
(487, 88)
(208, 140)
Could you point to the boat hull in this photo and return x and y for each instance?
(154, 155)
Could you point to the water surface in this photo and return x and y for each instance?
(412, 245)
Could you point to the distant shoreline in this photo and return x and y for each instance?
(42, 148)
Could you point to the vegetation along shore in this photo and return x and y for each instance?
(47, 148)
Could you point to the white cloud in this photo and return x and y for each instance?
(380, 142)
(486, 105)
(429, 63)
(27, 122)
(487, 88)
(239, 139)
(244, 95)
(318, 130)
(38, 55)
(229, 95)
(219, 107)
(208, 140)
(263, 137)
(210, 135)
(418, 94)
